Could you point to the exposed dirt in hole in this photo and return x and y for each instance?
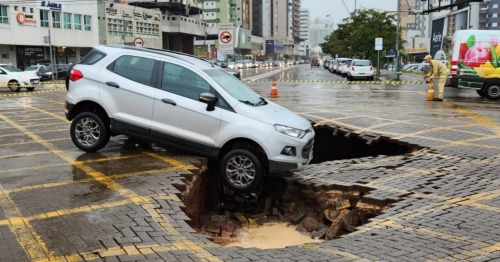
(318, 213)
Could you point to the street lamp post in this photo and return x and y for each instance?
(397, 44)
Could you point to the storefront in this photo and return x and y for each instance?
(27, 25)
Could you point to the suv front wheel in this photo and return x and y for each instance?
(241, 170)
(89, 132)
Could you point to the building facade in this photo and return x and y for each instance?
(261, 16)
(319, 30)
(489, 17)
(131, 25)
(25, 27)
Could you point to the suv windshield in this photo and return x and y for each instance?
(234, 86)
(11, 69)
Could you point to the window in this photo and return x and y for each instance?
(56, 19)
(78, 22)
(183, 82)
(87, 22)
(92, 58)
(362, 63)
(67, 20)
(4, 14)
(44, 18)
(138, 69)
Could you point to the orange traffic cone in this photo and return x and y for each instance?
(430, 92)
(274, 89)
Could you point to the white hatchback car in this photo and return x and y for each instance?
(179, 100)
(15, 78)
(345, 66)
(360, 69)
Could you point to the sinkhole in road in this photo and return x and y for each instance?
(286, 212)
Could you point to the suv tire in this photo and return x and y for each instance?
(14, 86)
(89, 132)
(241, 170)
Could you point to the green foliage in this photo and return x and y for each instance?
(356, 35)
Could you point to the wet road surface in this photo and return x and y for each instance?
(122, 204)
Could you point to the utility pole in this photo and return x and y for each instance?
(397, 44)
(51, 62)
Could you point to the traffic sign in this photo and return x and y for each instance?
(226, 39)
(138, 41)
(379, 42)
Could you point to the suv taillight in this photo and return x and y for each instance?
(352, 68)
(75, 75)
(371, 68)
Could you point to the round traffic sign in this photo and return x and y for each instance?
(226, 37)
(138, 41)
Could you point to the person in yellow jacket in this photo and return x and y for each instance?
(437, 69)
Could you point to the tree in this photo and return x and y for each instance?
(355, 36)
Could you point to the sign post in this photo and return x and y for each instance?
(379, 42)
(226, 43)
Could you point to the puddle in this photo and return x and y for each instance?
(269, 237)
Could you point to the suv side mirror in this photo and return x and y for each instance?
(209, 99)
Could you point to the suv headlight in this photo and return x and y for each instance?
(293, 132)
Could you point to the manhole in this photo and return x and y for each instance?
(314, 214)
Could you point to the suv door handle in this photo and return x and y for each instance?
(169, 101)
(113, 84)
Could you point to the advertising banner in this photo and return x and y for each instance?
(437, 37)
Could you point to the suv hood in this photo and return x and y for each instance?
(273, 114)
(29, 73)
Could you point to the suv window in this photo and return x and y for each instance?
(182, 81)
(138, 69)
(362, 63)
(92, 58)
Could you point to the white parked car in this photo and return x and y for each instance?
(337, 67)
(15, 78)
(240, 65)
(345, 66)
(179, 100)
(360, 69)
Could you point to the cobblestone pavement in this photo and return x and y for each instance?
(122, 204)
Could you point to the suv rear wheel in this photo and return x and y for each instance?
(241, 170)
(89, 132)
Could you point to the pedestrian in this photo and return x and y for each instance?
(437, 70)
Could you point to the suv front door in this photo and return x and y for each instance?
(179, 118)
(126, 88)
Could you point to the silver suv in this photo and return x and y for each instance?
(175, 99)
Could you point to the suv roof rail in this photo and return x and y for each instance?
(159, 51)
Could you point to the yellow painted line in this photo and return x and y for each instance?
(28, 238)
(111, 184)
(31, 168)
(49, 185)
(33, 142)
(20, 221)
(482, 120)
(25, 154)
(439, 128)
(170, 161)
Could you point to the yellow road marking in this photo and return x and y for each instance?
(111, 184)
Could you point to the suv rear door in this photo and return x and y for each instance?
(179, 118)
(127, 90)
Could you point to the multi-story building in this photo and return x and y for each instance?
(305, 21)
(319, 30)
(237, 12)
(489, 15)
(24, 26)
(261, 17)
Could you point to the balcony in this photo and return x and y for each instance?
(182, 24)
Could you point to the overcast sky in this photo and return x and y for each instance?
(336, 9)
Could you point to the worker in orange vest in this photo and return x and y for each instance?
(437, 70)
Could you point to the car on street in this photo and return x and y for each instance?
(240, 65)
(179, 100)
(314, 62)
(345, 65)
(326, 63)
(15, 78)
(337, 65)
(45, 72)
(231, 65)
(360, 69)
(258, 64)
(219, 63)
